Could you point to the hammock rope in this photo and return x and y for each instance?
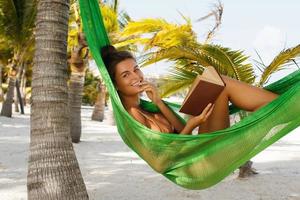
(197, 161)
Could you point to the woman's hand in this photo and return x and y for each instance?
(151, 92)
(195, 121)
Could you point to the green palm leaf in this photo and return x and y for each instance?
(17, 20)
(172, 54)
(6, 52)
(165, 41)
(114, 22)
(178, 80)
(283, 60)
(226, 61)
(110, 19)
(146, 26)
(157, 33)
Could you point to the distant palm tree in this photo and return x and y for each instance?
(7, 104)
(78, 64)
(16, 26)
(53, 171)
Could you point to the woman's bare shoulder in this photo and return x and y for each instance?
(136, 114)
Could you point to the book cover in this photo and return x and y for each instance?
(205, 89)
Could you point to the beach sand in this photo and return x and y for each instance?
(113, 172)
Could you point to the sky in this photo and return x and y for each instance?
(267, 26)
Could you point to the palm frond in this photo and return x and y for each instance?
(116, 5)
(177, 80)
(126, 42)
(110, 19)
(123, 19)
(259, 66)
(294, 61)
(146, 26)
(172, 53)
(217, 12)
(153, 33)
(177, 42)
(6, 51)
(8, 18)
(177, 36)
(30, 11)
(17, 19)
(280, 62)
(226, 61)
(186, 19)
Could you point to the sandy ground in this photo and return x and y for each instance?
(112, 171)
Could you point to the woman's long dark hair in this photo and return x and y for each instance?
(111, 57)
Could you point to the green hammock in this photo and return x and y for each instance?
(197, 161)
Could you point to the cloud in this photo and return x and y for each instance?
(269, 41)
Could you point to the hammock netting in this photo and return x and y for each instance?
(197, 161)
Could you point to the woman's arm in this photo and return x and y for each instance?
(187, 129)
(195, 121)
(192, 123)
(171, 117)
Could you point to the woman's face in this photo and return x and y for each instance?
(128, 77)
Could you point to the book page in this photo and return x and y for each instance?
(211, 75)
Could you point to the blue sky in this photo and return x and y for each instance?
(266, 26)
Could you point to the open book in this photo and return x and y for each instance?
(205, 89)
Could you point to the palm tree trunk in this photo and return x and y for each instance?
(53, 170)
(1, 91)
(16, 100)
(7, 104)
(98, 112)
(23, 85)
(75, 98)
(19, 97)
(78, 68)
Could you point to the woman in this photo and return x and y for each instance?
(129, 82)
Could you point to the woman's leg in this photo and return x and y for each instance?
(247, 97)
(219, 118)
(242, 95)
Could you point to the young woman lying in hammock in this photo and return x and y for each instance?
(129, 82)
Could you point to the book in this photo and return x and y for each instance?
(205, 89)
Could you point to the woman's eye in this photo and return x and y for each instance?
(125, 75)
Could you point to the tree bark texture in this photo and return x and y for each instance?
(1, 91)
(75, 99)
(53, 170)
(98, 112)
(19, 97)
(9, 98)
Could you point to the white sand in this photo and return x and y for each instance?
(112, 171)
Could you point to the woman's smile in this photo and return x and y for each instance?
(137, 84)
